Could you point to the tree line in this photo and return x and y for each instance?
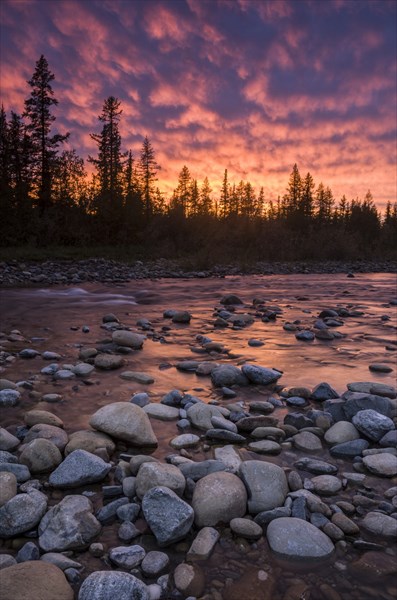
(48, 199)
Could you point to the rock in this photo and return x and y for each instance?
(8, 487)
(35, 417)
(203, 544)
(107, 514)
(260, 375)
(7, 440)
(125, 421)
(60, 560)
(200, 415)
(349, 449)
(249, 424)
(140, 399)
(222, 435)
(389, 440)
(28, 353)
(9, 397)
(83, 370)
(374, 566)
(169, 517)
(68, 525)
(326, 485)
(181, 316)
(40, 456)
(154, 563)
(246, 528)
(153, 474)
(22, 513)
(261, 407)
(380, 525)
(130, 339)
(189, 579)
(188, 366)
(198, 470)
(64, 374)
(341, 432)
(34, 580)
(6, 560)
(372, 424)
(254, 343)
(218, 497)
(370, 387)
(384, 465)
(222, 423)
(138, 460)
(6, 384)
(315, 466)
(230, 300)
(227, 375)
(112, 585)
(107, 362)
(186, 440)
(79, 468)
(161, 412)
(355, 402)
(127, 557)
(21, 472)
(348, 526)
(296, 539)
(56, 435)
(137, 376)
(380, 368)
(307, 442)
(305, 336)
(323, 391)
(90, 441)
(230, 458)
(265, 447)
(266, 485)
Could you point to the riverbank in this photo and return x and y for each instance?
(104, 270)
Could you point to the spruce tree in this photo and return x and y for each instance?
(40, 120)
(148, 168)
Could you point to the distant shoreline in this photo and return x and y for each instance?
(17, 273)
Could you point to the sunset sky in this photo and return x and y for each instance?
(248, 85)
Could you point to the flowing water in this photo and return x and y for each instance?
(52, 319)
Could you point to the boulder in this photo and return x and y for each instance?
(380, 525)
(296, 539)
(169, 517)
(79, 468)
(90, 441)
(341, 432)
(153, 474)
(125, 421)
(384, 464)
(68, 525)
(40, 456)
(34, 580)
(200, 415)
(266, 484)
(56, 435)
(218, 497)
(372, 424)
(227, 375)
(112, 585)
(260, 375)
(130, 339)
(22, 513)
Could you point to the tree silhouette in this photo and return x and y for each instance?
(148, 168)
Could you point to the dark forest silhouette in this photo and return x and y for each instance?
(47, 199)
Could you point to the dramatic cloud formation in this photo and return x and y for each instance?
(245, 85)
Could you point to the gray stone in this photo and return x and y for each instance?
(40, 456)
(200, 415)
(69, 525)
(79, 468)
(29, 551)
(130, 339)
(91, 441)
(372, 424)
(8, 487)
(263, 518)
(6, 560)
(83, 369)
(265, 447)
(154, 474)
(227, 375)
(154, 563)
(21, 472)
(181, 316)
(326, 485)
(349, 449)
(64, 374)
(222, 435)
(296, 539)
(138, 376)
(305, 336)
(169, 517)
(307, 442)
(161, 412)
(60, 560)
(56, 435)
(384, 465)
(9, 397)
(22, 513)
(389, 440)
(260, 375)
(380, 525)
(108, 362)
(107, 514)
(125, 421)
(230, 458)
(35, 417)
(203, 544)
(198, 470)
(355, 402)
(109, 585)
(7, 440)
(218, 497)
(221, 423)
(266, 484)
(186, 440)
(246, 528)
(315, 466)
(323, 391)
(127, 557)
(341, 432)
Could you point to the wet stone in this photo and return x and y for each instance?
(307, 442)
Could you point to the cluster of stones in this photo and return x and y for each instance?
(297, 509)
(109, 271)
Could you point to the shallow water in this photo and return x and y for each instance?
(45, 317)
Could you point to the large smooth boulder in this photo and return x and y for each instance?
(69, 525)
(200, 415)
(380, 525)
(218, 497)
(36, 416)
(90, 441)
(168, 516)
(355, 402)
(113, 585)
(266, 484)
(34, 580)
(296, 539)
(56, 435)
(40, 456)
(341, 432)
(260, 375)
(383, 464)
(79, 468)
(153, 474)
(227, 375)
(125, 421)
(22, 513)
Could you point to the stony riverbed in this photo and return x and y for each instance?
(199, 438)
